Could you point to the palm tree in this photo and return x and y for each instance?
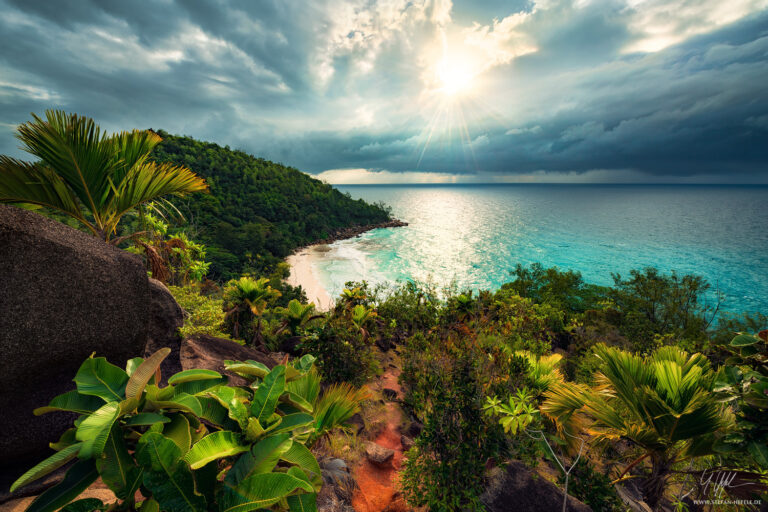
(664, 405)
(246, 298)
(88, 175)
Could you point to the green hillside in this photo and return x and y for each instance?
(258, 211)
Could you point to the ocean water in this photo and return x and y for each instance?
(473, 235)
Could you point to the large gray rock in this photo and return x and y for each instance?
(516, 487)
(63, 295)
(165, 319)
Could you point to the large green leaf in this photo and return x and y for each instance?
(294, 421)
(297, 401)
(213, 411)
(166, 475)
(85, 505)
(45, 467)
(260, 491)
(82, 474)
(262, 458)
(146, 418)
(179, 432)
(759, 452)
(95, 429)
(267, 394)
(144, 373)
(71, 401)
(248, 369)
(744, 340)
(227, 397)
(193, 375)
(117, 468)
(98, 377)
(198, 387)
(179, 401)
(302, 503)
(301, 456)
(215, 446)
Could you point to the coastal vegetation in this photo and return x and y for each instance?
(643, 388)
(87, 175)
(629, 383)
(258, 211)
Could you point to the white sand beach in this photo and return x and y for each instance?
(304, 274)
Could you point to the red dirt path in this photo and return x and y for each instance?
(377, 487)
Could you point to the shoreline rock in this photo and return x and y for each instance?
(353, 231)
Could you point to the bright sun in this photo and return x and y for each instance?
(455, 77)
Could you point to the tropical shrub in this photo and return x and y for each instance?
(204, 314)
(171, 259)
(592, 487)
(444, 468)
(344, 353)
(744, 382)
(87, 175)
(245, 302)
(664, 405)
(196, 444)
(652, 303)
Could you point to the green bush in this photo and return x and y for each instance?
(196, 444)
(344, 352)
(444, 469)
(204, 315)
(592, 487)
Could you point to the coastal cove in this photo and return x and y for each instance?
(473, 235)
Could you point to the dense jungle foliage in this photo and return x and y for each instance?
(631, 383)
(257, 211)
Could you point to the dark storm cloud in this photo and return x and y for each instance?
(326, 85)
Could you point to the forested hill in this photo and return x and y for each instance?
(258, 211)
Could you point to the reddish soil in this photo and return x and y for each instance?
(377, 487)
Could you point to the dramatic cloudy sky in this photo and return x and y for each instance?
(413, 90)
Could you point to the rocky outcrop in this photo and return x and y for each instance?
(208, 352)
(353, 231)
(63, 295)
(165, 319)
(517, 487)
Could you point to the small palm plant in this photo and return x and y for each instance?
(352, 297)
(361, 316)
(295, 316)
(245, 299)
(664, 405)
(88, 175)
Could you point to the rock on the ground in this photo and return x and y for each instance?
(209, 352)
(64, 294)
(517, 487)
(337, 478)
(378, 455)
(165, 319)
(406, 441)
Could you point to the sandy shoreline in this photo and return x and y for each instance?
(304, 274)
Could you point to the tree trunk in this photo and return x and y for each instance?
(656, 484)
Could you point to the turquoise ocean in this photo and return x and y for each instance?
(472, 235)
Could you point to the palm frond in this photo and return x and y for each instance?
(28, 183)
